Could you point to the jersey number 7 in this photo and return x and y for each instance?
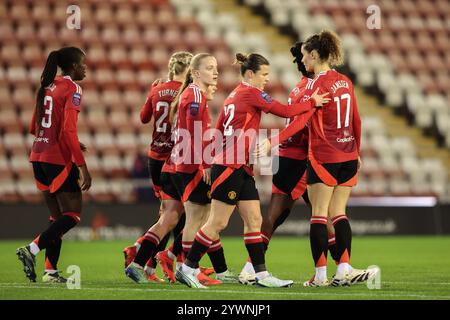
(345, 96)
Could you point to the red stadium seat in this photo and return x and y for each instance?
(19, 11)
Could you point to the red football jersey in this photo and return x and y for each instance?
(296, 146)
(239, 122)
(157, 105)
(57, 141)
(193, 121)
(334, 129)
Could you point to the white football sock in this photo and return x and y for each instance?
(262, 274)
(171, 255)
(321, 273)
(342, 269)
(149, 270)
(50, 271)
(187, 269)
(34, 248)
(249, 268)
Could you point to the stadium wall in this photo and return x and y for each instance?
(120, 221)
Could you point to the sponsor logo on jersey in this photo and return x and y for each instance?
(344, 140)
(231, 195)
(76, 99)
(266, 97)
(193, 108)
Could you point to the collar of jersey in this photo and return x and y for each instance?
(193, 85)
(249, 85)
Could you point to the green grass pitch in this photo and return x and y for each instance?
(411, 268)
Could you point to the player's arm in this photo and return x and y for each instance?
(268, 105)
(70, 135)
(69, 129)
(194, 115)
(295, 126)
(147, 109)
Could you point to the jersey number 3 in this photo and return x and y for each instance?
(338, 100)
(48, 104)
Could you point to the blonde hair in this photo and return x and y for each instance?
(194, 65)
(178, 63)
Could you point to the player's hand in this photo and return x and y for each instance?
(262, 149)
(359, 163)
(85, 178)
(156, 82)
(83, 147)
(320, 98)
(207, 176)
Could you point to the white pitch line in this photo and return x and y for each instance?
(340, 293)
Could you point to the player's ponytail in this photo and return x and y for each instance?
(252, 61)
(328, 45)
(47, 77)
(174, 106)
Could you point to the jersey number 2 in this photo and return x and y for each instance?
(161, 126)
(229, 113)
(48, 104)
(347, 97)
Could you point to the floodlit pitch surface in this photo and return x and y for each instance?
(411, 268)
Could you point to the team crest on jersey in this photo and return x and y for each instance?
(231, 195)
(193, 108)
(76, 99)
(266, 97)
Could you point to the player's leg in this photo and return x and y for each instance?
(195, 215)
(279, 209)
(176, 246)
(155, 168)
(216, 255)
(224, 197)
(63, 182)
(345, 273)
(175, 251)
(217, 221)
(319, 195)
(171, 210)
(170, 192)
(332, 241)
(343, 232)
(52, 252)
(67, 192)
(250, 212)
(321, 180)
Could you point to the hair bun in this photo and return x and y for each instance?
(241, 58)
